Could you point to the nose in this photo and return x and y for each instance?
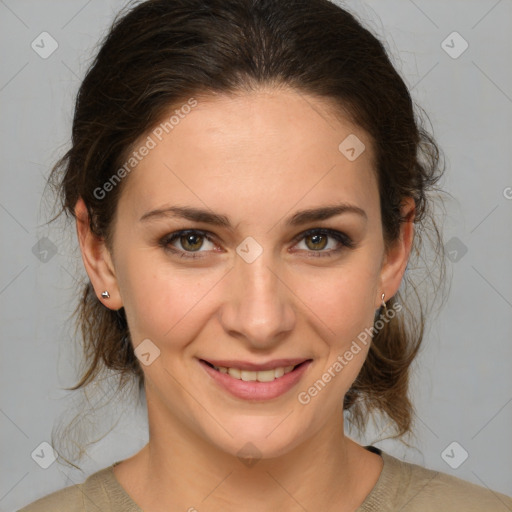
(259, 308)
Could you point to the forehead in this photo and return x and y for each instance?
(252, 151)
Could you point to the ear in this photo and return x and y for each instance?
(397, 254)
(97, 259)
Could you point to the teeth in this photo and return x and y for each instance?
(261, 376)
(235, 372)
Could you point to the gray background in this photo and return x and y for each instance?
(462, 386)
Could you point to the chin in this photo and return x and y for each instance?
(256, 438)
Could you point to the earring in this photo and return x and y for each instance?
(105, 294)
(383, 303)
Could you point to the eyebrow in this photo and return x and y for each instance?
(208, 217)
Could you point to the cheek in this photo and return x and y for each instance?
(162, 302)
(148, 299)
(344, 300)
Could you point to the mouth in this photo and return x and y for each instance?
(264, 383)
(267, 375)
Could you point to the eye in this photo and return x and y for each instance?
(316, 240)
(191, 240)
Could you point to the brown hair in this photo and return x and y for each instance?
(160, 53)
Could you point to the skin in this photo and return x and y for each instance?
(257, 158)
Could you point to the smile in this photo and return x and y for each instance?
(256, 384)
(260, 376)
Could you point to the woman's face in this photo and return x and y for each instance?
(250, 284)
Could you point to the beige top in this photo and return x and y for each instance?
(401, 486)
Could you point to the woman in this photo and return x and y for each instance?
(249, 180)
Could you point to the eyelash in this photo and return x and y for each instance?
(340, 237)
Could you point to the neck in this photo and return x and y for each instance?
(181, 470)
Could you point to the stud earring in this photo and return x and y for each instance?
(105, 294)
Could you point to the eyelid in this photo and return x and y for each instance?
(166, 241)
(333, 233)
(342, 238)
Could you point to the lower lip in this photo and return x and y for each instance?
(255, 390)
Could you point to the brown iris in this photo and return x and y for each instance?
(318, 239)
(187, 241)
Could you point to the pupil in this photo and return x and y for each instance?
(317, 239)
(189, 241)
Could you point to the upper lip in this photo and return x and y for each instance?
(255, 367)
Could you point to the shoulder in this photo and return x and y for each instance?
(88, 496)
(68, 499)
(418, 489)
